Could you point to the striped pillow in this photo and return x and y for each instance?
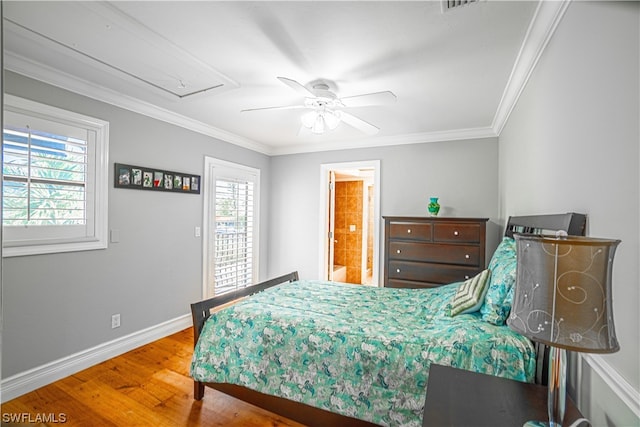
(470, 294)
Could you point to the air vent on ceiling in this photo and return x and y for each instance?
(448, 5)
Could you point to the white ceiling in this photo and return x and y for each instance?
(456, 74)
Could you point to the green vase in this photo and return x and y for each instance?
(434, 206)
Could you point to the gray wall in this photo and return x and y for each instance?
(571, 144)
(57, 305)
(463, 174)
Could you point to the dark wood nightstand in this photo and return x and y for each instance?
(456, 397)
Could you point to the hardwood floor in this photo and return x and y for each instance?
(148, 386)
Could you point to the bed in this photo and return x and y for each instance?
(328, 353)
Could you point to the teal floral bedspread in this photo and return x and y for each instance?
(355, 350)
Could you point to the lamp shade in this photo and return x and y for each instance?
(563, 292)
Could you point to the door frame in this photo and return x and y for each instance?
(323, 228)
(214, 167)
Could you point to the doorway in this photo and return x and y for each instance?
(349, 229)
(231, 226)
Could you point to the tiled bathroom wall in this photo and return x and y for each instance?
(349, 199)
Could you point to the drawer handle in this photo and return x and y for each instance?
(397, 270)
(398, 251)
(455, 233)
(467, 256)
(466, 276)
(408, 231)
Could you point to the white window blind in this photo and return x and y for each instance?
(234, 235)
(45, 178)
(55, 173)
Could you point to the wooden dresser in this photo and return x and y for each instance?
(432, 251)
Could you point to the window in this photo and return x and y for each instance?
(232, 223)
(55, 174)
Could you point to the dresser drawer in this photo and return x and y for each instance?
(423, 252)
(432, 273)
(426, 252)
(395, 283)
(410, 231)
(452, 232)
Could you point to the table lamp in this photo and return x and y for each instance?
(563, 299)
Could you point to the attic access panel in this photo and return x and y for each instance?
(117, 43)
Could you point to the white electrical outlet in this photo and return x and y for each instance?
(115, 321)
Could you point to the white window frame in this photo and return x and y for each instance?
(31, 240)
(216, 167)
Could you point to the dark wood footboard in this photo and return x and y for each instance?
(305, 414)
(296, 411)
(200, 311)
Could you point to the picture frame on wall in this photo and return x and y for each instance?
(136, 176)
(153, 179)
(147, 179)
(158, 179)
(123, 176)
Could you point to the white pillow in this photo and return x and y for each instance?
(470, 294)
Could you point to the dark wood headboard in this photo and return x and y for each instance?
(573, 223)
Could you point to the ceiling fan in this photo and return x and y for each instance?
(326, 110)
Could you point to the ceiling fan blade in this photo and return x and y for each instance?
(274, 29)
(376, 98)
(297, 87)
(284, 107)
(358, 123)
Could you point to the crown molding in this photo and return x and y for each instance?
(546, 19)
(415, 138)
(544, 23)
(38, 71)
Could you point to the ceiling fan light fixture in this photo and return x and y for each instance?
(325, 108)
(320, 121)
(318, 125)
(331, 119)
(308, 119)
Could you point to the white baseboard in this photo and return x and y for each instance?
(620, 386)
(30, 380)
